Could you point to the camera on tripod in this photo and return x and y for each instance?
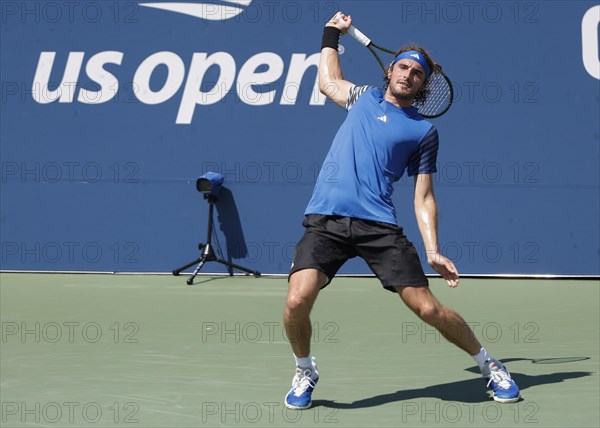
(210, 185)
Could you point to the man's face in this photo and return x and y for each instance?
(406, 79)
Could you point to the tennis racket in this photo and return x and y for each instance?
(440, 94)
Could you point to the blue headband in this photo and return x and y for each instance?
(415, 56)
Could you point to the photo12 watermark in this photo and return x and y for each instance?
(69, 413)
(70, 252)
(524, 332)
(69, 12)
(469, 12)
(70, 332)
(488, 252)
(263, 413)
(70, 172)
(265, 332)
(469, 414)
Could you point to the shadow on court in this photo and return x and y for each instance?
(553, 360)
(466, 391)
(209, 279)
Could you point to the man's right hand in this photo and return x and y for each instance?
(340, 21)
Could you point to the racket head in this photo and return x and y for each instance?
(440, 93)
(440, 96)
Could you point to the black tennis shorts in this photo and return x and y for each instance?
(329, 241)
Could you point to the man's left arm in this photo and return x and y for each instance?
(426, 211)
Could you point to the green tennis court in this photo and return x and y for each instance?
(149, 351)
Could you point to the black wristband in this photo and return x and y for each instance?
(331, 37)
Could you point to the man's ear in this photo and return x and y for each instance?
(389, 71)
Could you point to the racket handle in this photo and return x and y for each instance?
(359, 36)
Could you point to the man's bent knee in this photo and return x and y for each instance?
(430, 314)
(297, 302)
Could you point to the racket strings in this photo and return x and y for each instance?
(438, 99)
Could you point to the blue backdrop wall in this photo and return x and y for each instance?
(112, 109)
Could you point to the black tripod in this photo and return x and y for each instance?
(208, 254)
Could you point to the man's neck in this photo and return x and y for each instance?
(398, 102)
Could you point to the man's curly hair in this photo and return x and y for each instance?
(433, 66)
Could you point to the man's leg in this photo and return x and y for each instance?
(303, 290)
(454, 328)
(448, 322)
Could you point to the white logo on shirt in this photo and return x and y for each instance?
(383, 118)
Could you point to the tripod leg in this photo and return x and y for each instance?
(176, 272)
(190, 280)
(238, 267)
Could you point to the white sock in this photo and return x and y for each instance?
(304, 362)
(481, 358)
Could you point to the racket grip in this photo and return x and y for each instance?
(359, 36)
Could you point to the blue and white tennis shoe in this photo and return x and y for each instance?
(303, 385)
(505, 389)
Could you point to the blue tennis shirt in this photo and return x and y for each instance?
(373, 148)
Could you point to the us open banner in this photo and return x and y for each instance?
(111, 110)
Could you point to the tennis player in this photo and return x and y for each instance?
(351, 212)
